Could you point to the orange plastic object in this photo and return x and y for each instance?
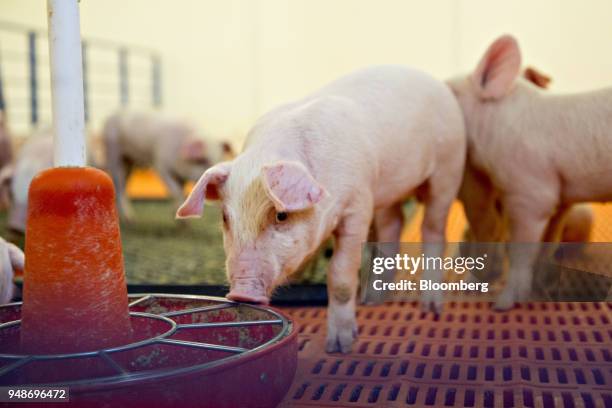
(145, 184)
(75, 294)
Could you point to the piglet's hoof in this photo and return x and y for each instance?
(505, 300)
(340, 340)
(432, 301)
(512, 294)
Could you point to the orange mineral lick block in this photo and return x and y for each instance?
(75, 295)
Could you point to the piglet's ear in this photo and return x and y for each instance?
(290, 186)
(207, 187)
(498, 68)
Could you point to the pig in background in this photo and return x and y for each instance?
(490, 223)
(34, 156)
(6, 157)
(170, 146)
(6, 147)
(11, 259)
(542, 152)
(329, 164)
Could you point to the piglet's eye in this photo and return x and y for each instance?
(225, 218)
(281, 216)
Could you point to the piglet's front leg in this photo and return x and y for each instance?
(343, 281)
(527, 226)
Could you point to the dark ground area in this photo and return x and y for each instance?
(160, 251)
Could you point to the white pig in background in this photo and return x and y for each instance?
(11, 258)
(6, 150)
(330, 164)
(34, 156)
(170, 146)
(542, 152)
(6, 156)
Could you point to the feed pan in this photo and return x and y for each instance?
(186, 350)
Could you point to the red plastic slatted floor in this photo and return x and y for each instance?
(538, 355)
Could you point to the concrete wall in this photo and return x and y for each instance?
(228, 61)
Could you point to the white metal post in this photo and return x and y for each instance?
(66, 83)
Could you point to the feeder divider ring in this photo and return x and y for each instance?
(124, 376)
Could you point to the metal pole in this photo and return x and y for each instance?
(156, 81)
(2, 101)
(85, 81)
(33, 77)
(124, 89)
(66, 83)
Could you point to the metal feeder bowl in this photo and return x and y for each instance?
(188, 351)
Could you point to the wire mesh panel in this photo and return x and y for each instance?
(114, 75)
(15, 78)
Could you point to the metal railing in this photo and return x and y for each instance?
(114, 75)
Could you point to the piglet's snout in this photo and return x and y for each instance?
(250, 277)
(248, 290)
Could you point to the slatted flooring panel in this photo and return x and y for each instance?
(541, 355)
